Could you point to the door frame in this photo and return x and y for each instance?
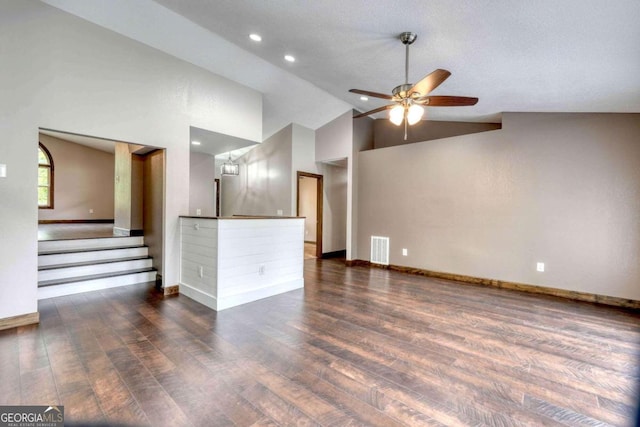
(319, 198)
(217, 207)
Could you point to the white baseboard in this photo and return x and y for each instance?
(222, 303)
(202, 297)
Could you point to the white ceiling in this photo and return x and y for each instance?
(543, 55)
(215, 143)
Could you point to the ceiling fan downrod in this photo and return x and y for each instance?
(400, 92)
(407, 38)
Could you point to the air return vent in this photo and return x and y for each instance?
(379, 250)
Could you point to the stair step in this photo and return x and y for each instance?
(79, 250)
(95, 262)
(75, 256)
(56, 282)
(94, 282)
(48, 246)
(71, 271)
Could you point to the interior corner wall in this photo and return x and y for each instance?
(202, 176)
(137, 189)
(362, 140)
(303, 157)
(555, 188)
(82, 178)
(122, 193)
(154, 207)
(335, 139)
(334, 212)
(61, 72)
(263, 186)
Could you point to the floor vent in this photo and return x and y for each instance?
(379, 250)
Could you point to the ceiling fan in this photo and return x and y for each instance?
(409, 99)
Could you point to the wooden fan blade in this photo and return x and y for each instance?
(447, 101)
(377, 110)
(373, 94)
(429, 83)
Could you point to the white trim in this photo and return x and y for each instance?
(223, 303)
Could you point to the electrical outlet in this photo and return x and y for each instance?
(405, 252)
(90, 210)
(261, 270)
(279, 212)
(198, 212)
(540, 266)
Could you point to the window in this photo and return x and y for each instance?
(45, 178)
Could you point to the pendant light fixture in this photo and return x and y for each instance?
(229, 167)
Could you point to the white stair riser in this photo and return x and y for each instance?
(75, 257)
(83, 244)
(85, 270)
(94, 285)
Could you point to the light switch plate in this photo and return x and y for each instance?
(3, 171)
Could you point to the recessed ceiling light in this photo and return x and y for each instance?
(289, 58)
(195, 142)
(364, 98)
(255, 37)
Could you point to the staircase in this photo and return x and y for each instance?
(72, 266)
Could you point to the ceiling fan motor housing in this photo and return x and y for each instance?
(408, 37)
(400, 92)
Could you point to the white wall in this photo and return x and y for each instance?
(563, 189)
(202, 175)
(60, 72)
(82, 178)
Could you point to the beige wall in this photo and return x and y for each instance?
(343, 138)
(202, 176)
(335, 209)
(137, 189)
(562, 189)
(83, 181)
(122, 194)
(386, 134)
(263, 186)
(308, 206)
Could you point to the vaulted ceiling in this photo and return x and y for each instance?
(543, 55)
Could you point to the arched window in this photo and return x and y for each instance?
(45, 178)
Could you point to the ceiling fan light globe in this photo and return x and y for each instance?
(396, 115)
(414, 114)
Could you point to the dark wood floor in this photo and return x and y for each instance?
(356, 347)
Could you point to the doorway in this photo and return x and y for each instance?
(309, 205)
(89, 175)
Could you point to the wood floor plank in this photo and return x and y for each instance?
(36, 378)
(357, 346)
(10, 388)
